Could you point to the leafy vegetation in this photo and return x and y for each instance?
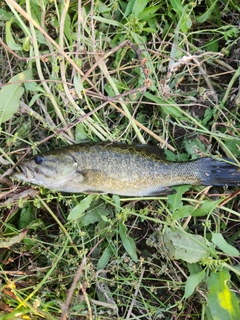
(164, 73)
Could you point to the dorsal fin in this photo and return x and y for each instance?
(153, 149)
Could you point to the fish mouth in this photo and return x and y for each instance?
(25, 174)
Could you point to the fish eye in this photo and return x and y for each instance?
(38, 159)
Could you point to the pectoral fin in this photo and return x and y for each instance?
(93, 181)
(93, 175)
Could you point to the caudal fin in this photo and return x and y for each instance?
(219, 173)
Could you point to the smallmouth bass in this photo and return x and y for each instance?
(121, 169)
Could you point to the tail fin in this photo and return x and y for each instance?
(219, 173)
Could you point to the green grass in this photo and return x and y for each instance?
(164, 73)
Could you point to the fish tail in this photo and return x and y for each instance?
(219, 173)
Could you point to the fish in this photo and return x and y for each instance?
(125, 170)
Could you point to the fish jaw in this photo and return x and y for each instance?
(27, 174)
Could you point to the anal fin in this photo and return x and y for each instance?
(162, 192)
(94, 192)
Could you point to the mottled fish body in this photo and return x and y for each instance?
(121, 169)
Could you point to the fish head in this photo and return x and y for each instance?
(50, 171)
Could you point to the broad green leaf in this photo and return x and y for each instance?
(9, 38)
(89, 218)
(205, 16)
(105, 218)
(26, 217)
(80, 133)
(128, 242)
(104, 259)
(183, 212)
(129, 7)
(206, 208)
(33, 86)
(5, 16)
(78, 84)
(108, 21)
(194, 268)
(181, 246)
(68, 28)
(26, 44)
(10, 102)
(172, 109)
(175, 157)
(10, 95)
(233, 146)
(213, 45)
(186, 23)
(8, 242)
(138, 7)
(138, 38)
(150, 30)
(208, 115)
(219, 241)
(97, 212)
(79, 209)
(192, 282)
(191, 145)
(40, 37)
(148, 13)
(236, 269)
(222, 302)
(177, 6)
(117, 202)
(175, 200)
(101, 7)
(34, 99)
(170, 155)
